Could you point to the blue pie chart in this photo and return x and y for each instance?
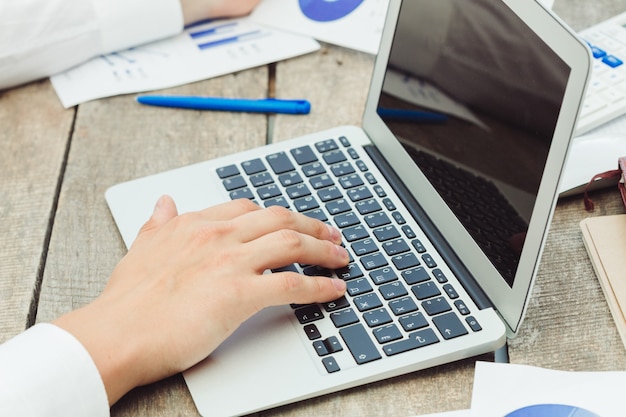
(551, 410)
(328, 10)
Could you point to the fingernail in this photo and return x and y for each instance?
(343, 252)
(340, 285)
(335, 234)
(159, 203)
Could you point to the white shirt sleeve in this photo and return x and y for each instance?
(39, 38)
(45, 371)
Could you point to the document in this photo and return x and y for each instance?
(202, 51)
(501, 389)
(354, 24)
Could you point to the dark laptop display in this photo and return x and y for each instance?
(474, 95)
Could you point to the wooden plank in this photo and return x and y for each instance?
(568, 324)
(580, 14)
(34, 130)
(115, 140)
(335, 80)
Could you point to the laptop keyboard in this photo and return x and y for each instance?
(398, 299)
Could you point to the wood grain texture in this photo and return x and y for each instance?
(34, 130)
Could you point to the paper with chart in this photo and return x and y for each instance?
(355, 24)
(502, 389)
(202, 51)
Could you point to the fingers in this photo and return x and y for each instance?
(290, 287)
(263, 222)
(229, 210)
(286, 247)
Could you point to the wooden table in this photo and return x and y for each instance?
(58, 242)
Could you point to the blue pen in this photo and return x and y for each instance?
(405, 115)
(267, 105)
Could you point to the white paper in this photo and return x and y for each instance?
(355, 24)
(500, 389)
(202, 51)
(458, 413)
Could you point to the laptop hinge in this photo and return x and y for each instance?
(417, 212)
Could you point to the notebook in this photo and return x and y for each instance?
(605, 242)
(443, 195)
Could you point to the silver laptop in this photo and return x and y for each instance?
(444, 197)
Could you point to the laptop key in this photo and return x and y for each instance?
(334, 157)
(303, 155)
(278, 201)
(269, 191)
(326, 145)
(297, 191)
(377, 219)
(368, 206)
(367, 302)
(289, 178)
(405, 261)
(312, 332)
(413, 322)
(253, 166)
(234, 183)
(395, 247)
(262, 178)
(280, 163)
(425, 290)
(359, 344)
(403, 306)
(416, 340)
(316, 214)
(378, 317)
(227, 171)
(343, 318)
(386, 233)
(435, 306)
(358, 286)
(330, 364)
(309, 314)
(349, 272)
(242, 193)
(329, 194)
(449, 326)
(338, 207)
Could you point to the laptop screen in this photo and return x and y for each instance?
(474, 96)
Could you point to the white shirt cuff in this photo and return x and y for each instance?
(126, 23)
(46, 371)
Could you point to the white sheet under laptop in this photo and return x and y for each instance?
(442, 270)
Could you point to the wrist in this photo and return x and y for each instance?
(115, 357)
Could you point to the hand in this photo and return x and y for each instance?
(196, 10)
(188, 281)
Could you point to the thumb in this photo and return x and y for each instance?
(164, 211)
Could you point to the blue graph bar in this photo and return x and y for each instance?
(212, 31)
(232, 39)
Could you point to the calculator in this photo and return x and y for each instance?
(605, 99)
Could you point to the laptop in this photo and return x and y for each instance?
(444, 196)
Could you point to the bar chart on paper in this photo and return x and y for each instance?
(214, 35)
(204, 50)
